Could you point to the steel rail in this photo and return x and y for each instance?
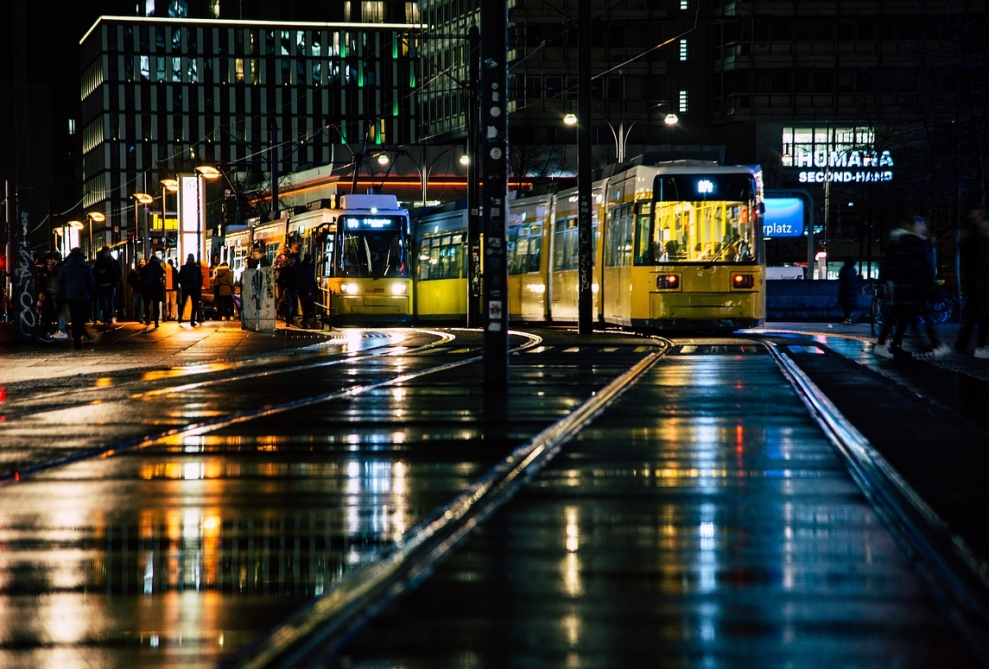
(224, 421)
(322, 627)
(958, 577)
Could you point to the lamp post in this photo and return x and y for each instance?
(167, 186)
(211, 173)
(384, 159)
(94, 217)
(621, 134)
(141, 199)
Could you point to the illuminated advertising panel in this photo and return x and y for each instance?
(845, 154)
(784, 217)
(192, 223)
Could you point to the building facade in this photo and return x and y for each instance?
(883, 100)
(161, 96)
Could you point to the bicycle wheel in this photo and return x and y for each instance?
(940, 309)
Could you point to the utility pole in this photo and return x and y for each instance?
(24, 294)
(494, 193)
(473, 181)
(585, 251)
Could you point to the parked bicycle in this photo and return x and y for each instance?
(941, 308)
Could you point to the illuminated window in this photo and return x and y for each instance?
(683, 50)
(373, 12)
(682, 108)
(72, 126)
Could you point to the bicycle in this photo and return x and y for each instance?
(879, 307)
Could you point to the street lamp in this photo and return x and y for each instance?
(145, 199)
(622, 133)
(167, 186)
(94, 217)
(211, 173)
(384, 159)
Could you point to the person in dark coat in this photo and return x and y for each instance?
(153, 287)
(848, 288)
(78, 283)
(288, 288)
(973, 249)
(307, 291)
(191, 283)
(108, 279)
(910, 278)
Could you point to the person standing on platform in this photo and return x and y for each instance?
(973, 249)
(223, 291)
(848, 289)
(288, 288)
(191, 283)
(78, 283)
(171, 286)
(153, 287)
(134, 283)
(307, 292)
(108, 278)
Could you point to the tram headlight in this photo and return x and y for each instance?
(348, 288)
(742, 281)
(399, 289)
(668, 281)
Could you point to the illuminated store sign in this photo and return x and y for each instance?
(836, 155)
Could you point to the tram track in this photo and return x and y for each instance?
(309, 638)
(21, 409)
(361, 594)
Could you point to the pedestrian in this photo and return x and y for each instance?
(134, 283)
(153, 287)
(171, 287)
(108, 279)
(848, 288)
(909, 276)
(223, 290)
(191, 283)
(288, 288)
(973, 250)
(61, 308)
(307, 292)
(78, 283)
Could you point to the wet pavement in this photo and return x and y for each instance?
(707, 501)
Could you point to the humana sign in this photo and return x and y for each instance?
(843, 165)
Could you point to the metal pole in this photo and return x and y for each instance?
(585, 252)
(24, 292)
(494, 194)
(473, 185)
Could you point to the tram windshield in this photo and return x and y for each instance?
(373, 246)
(709, 218)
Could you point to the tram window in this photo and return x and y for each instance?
(565, 252)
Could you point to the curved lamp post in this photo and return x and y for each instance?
(384, 159)
(94, 217)
(622, 133)
(143, 199)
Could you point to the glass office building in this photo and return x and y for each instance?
(161, 96)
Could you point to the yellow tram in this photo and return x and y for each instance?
(359, 246)
(676, 246)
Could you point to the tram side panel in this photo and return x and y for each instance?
(563, 289)
(528, 263)
(441, 289)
